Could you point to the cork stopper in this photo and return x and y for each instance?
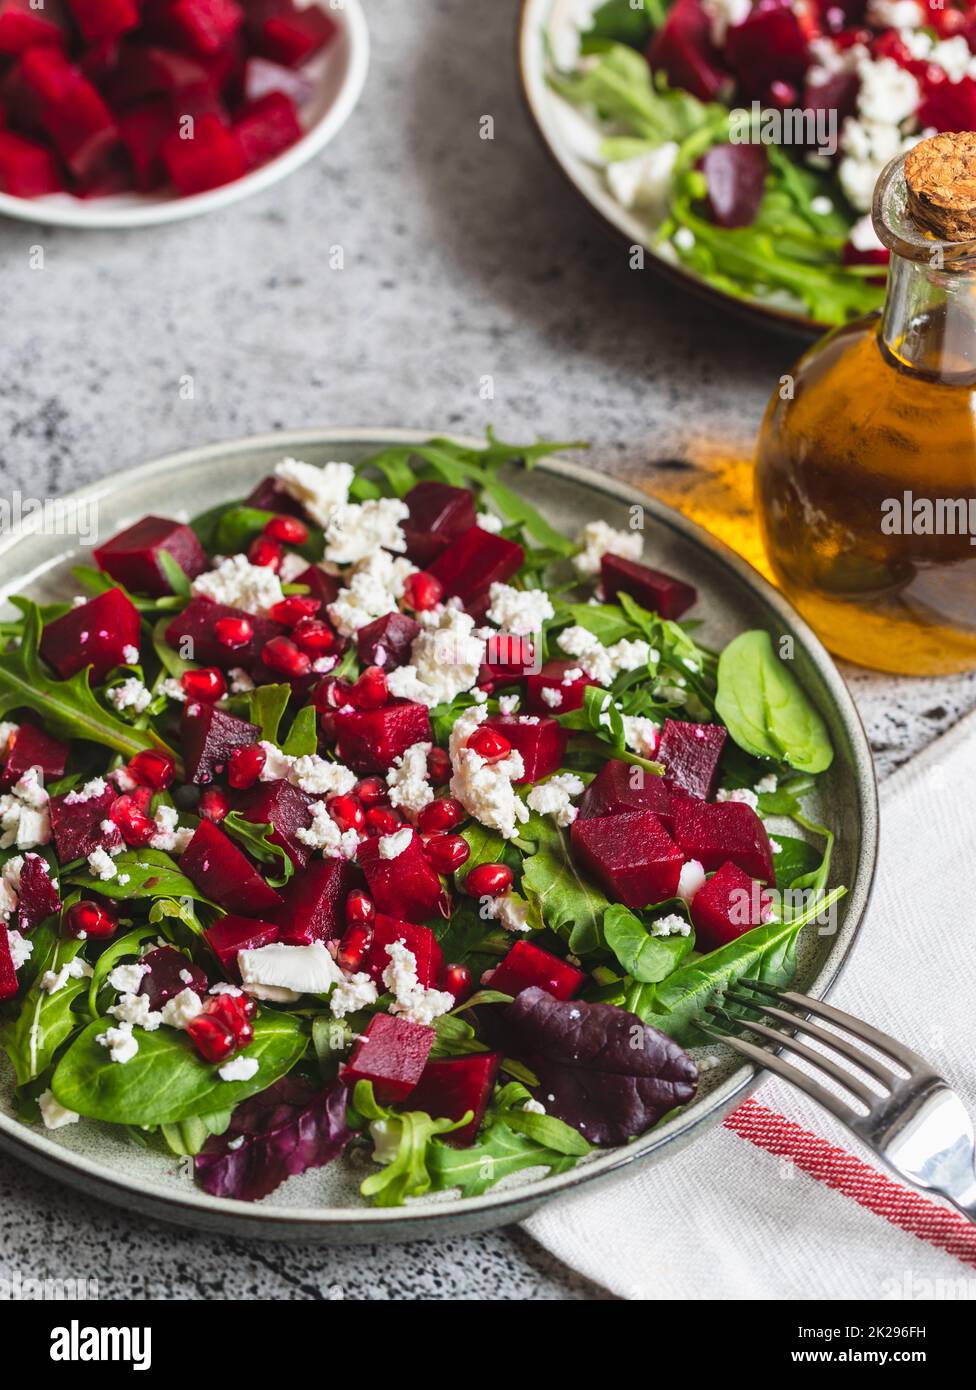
(941, 177)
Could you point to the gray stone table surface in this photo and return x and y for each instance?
(464, 259)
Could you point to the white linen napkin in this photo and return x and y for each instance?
(782, 1202)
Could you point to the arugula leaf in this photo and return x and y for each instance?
(408, 1133)
(151, 873)
(303, 736)
(45, 1021)
(764, 707)
(68, 708)
(570, 905)
(256, 840)
(599, 715)
(94, 582)
(266, 708)
(547, 1130)
(645, 958)
(622, 21)
(473, 1170)
(395, 466)
(188, 1138)
(175, 576)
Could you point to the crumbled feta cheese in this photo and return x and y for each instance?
(53, 1113)
(357, 530)
(20, 949)
(121, 1044)
(320, 490)
(238, 1069)
(485, 790)
(130, 655)
(954, 58)
(534, 1107)
(392, 846)
(410, 998)
(895, 14)
(553, 798)
(519, 611)
(508, 704)
(131, 694)
(373, 589)
(552, 697)
(74, 969)
(644, 181)
(24, 817)
(101, 864)
(889, 92)
(7, 731)
(769, 783)
(821, 205)
(351, 993)
(169, 836)
(684, 239)
(8, 899)
(509, 910)
(134, 1009)
(599, 539)
(743, 794)
(690, 880)
(325, 835)
(182, 1008)
(488, 521)
(240, 681)
(444, 661)
(601, 663)
(172, 689)
(408, 780)
(126, 979)
(239, 584)
(724, 15)
(775, 845)
(672, 925)
(641, 735)
(312, 774)
(284, 973)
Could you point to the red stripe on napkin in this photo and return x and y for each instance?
(907, 1210)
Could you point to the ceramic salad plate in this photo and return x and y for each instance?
(142, 1164)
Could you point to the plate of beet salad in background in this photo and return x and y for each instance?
(373, 841)
(122, 114)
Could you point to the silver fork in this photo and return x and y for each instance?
(915, 1123)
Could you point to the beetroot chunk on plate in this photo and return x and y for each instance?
(232, 934)
(224, 873)
(70, 109)
(210, 736)
(325, 587)
(143, 130)
(631, 855)
(203, 26)
(539, 739)
(314, 903)
(76, 824)
(527, 965)
(32, 747)
(620, 786)
(550, 692)
(683, 50)
(770, 45)
(37, 897)
(729, 830)
(8, 975)
(392, 1054)
(736, 179)
(476, 560)
(132, 557)
(22, 26)
(439, 514)
(103, 19)
(651, 588)
(27, 170)
(213, 157)
(418, 939)
(96, 634)
(286, 33)
(267, 128)
(271, 495)
(193, 635)
(451, 1086)
(286, 808)
(386, 641)
(168, 973)
(370, 740)
(690, 754)
(729, 904)
(405, 886)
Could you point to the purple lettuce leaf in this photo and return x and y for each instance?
(600, 1068)
(283, 1131)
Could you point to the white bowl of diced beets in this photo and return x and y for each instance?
(375, 796)
(118, 114)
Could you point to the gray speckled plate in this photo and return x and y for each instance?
(325, 1205)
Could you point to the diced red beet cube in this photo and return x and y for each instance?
(370, 740)
(451, 1086)
(314, 902)
(132, 557)
(439, 514)
(736, 179)
(950, 106)
(418, 939)
(540, 740)
(76, 824)
(270, 495)
(225, 874)
(683, 50)
(405, 887)
(8, 975)
(386, 641)
(32, 747)
(27, 170)
(143, 130)
(104, 19)
(552, 678)
(286, 34)
(392, 1054)
(651, 588)
(213, 157)
(37, 897)
(476, 560)
(631, 855)
(193, 635)
(202, 26)
(169, 973)
(94, 634)
(527, 964)
(146, 70)
(729, 830)
(267, 127)
(23, 26)
(729, 904)
(690, 754)
(769, 46)
(209, 737)
(508, 657)
(325, 587)
(285, 807)
(197, 100)
(620, 786)
(70, 109)
(261, 76)
(231, 934)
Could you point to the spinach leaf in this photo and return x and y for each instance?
(167, 1081)
(570, 905)
(645, 958)
(303, 736)
(793, 859)
(117, 950)
(45, 1021)
(266, 708)
(255, 839)
(238, 526)
(486, 846)
(764, 707)
(150, 873)
(623, 22)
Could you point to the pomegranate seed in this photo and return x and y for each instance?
(371, 791)
(457, 980)
(88, 919)
(354, 946)
(233, 633)
(347, 812)
(214, 804)
(371, 690)
(155, 770)
(360, 908)
(439, 766)
(331, 694)
(246, 765)
(229, 1010)
(282, 655)
(443, 814)
(212, 1039)
(292, 610)
(489, 880)
(142, 796)
(266, 552)
(287, 529)
(489, 744)
(135, 825)
(382, 820)
(422, 591)
(207, 684)
(313, 636)
(447, 853)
